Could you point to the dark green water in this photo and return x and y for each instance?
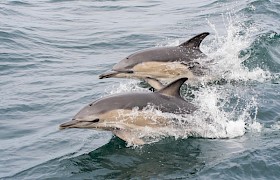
(51, 54)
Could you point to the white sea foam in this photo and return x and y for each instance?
(130, 86)
(225, 51)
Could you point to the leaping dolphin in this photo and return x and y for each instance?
(115, 113)
(163, 63)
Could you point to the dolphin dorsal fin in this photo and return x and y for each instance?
(195, 42)
(173, 89)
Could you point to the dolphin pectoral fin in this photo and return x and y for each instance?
(114, 73)
(156, 84)
(129, 137)
(195, 42)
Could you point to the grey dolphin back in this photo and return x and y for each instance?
(195, 42)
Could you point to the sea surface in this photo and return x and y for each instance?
(52, 52)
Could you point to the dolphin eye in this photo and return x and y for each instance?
(90, 104)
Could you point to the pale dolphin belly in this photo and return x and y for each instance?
(159, 70)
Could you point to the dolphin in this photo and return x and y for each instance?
(126, 113)
(163, 63)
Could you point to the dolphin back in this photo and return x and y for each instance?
(185, 52)
(167, 99)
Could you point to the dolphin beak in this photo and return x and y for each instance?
(108, 74)
(68, 124)
(78, 123)
(114, 73)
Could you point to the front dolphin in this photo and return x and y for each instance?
(116, 113)
(163, 63)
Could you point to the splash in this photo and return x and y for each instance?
(129, 86)
(226, 50)
(230, 108)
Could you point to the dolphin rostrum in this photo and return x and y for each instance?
(116, 113)
(163, 63)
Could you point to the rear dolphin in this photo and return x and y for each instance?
(163, 63)
(115, 113)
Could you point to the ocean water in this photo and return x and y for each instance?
(52, 52)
